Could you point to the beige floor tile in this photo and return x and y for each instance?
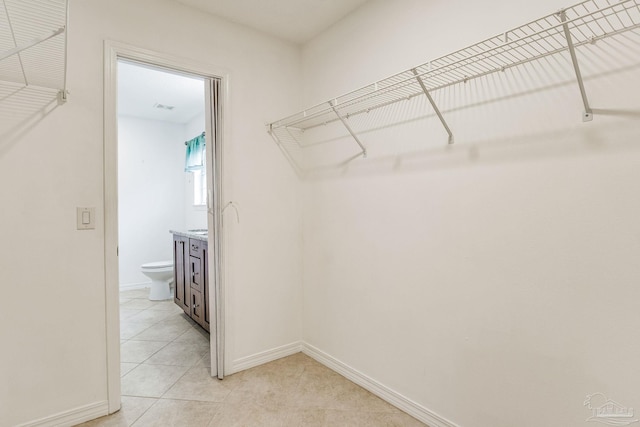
(168, 305)
(197, 384)
(321, 388)
(290, 392)
(151, 380)
(369, 402)
(180, 318)
(401, 420)
(132, 408)
(266, 390)
(178, 354)
(130, 328)
(137, 303)
(195, 335)
(138, 351)
(369, 419)
(136, 293)
(249, 415)
(151, 315)
(306, 418)
(205, 361)
(163, 331)
(127, 313)
(355, 419)
(125, 368)
(178, 413)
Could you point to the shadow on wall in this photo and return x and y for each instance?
(21, 108)
(523, 113)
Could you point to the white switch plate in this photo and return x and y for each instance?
(86, 218)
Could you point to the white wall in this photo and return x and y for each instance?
(151, 193)
(494, 282)
(53, 306)
(195, 216)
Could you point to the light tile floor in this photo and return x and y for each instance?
(166, 381)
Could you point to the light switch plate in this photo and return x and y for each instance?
(86, 218)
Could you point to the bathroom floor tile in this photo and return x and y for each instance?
(169, 305)
(138, 351)
(126, 367)
(138, 303)
(178, 354)
(180, 318)
(151, 315)
(163, 331)
(205, 361)
(136, 293)
(127, 313)
(194, 335)
(151, 380)
(130, 328)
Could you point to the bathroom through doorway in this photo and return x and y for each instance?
(162, 186)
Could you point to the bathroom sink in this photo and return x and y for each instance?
(198, 231)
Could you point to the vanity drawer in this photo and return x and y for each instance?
(195, 247)
(196, 273)
(197, 307)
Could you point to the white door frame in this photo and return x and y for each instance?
(112, 52)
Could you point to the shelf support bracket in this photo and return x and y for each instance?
(587, 116)
(346, 125)
(63, 96)
(18, 49)
(433, 104)
(290, 159)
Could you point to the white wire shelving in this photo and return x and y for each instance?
(565, 30)
(33, 44)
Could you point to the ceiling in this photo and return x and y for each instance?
(141, 89)
(297, 21)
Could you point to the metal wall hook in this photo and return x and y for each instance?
(235, 208)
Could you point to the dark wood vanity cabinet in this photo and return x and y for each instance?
(182, 294)
(192, 278)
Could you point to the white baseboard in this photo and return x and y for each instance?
(134, 286)
(385, 393)
(265, 356)
(72, 417)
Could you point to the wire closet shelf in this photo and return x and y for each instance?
(33, 44)
(583, 23)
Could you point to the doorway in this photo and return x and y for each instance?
(149, 192)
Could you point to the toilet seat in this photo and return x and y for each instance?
(157, 265)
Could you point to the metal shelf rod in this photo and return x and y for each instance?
(346, 125)
(36, 41)
(510, 45)
(588, 113)
(497, 69)
(433, 104)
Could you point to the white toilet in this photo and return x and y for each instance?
(161, 275)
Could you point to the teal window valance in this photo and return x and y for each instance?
(195, 159)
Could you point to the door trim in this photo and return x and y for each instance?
(112, 52)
